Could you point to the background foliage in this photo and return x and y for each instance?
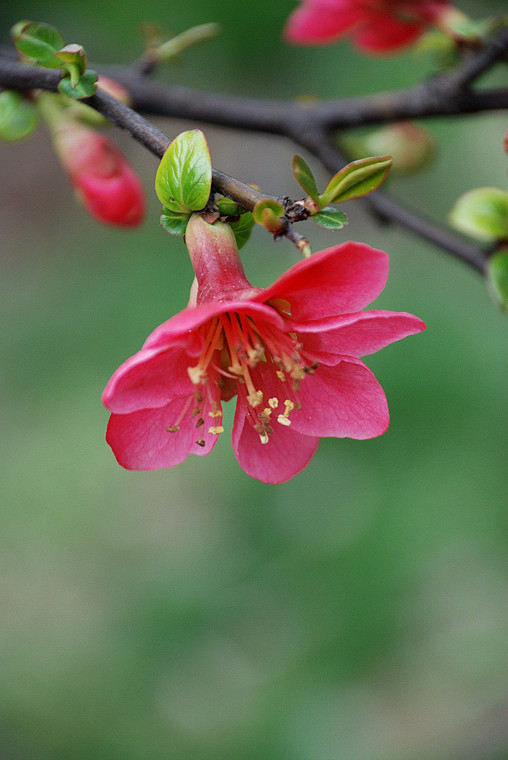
(359, 611)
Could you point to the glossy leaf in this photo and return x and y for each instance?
(184, 178)
(242, 228)
(304, 177)
(330, 218)
(482, 213)
(174, 222)
(268, 213)
(39, 43)
(85, 87)
(356, 179)
(497, 278)
(18, 117)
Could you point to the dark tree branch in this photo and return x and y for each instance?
(311, 125)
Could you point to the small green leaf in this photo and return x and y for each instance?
(73, 54)
(356, 179)
(482, 213)
(242, 228)
(304, 177)
(227, 207)
(18, 118)
(174, 222)
(497, 279)
(330, 218)
(39, 43)
(268, 213)
(184, 177)
(85, 87)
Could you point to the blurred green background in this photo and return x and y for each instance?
(358, 611)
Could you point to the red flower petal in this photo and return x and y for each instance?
(316, 23)
(357, 334)
(284, 456)
(337, 280)
(342, 401)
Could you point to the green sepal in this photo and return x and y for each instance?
(184, 178)
(74, 55)
(497, 279)
(482, 213)
(305, 178)
(356, 179)
(86, 85)
(38, 42)
(18, 117)
(242, 228)
(174, 222)
(330, 218)
(268, 213)
(227, 207)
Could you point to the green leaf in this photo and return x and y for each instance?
(242, 228)
(85, 87)
(227, 207)
(174, 222)
(184, 178)
(482, 213)
(356, 179)
(75, 55)
(330, 218)
(268, 213)
(18, 118)
(304, 177)
(497, 279)
(39, 43)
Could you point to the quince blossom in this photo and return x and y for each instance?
(376, 26)
(290, 353)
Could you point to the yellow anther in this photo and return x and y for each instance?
(289, 406)
(282, 420)
(273, 402)
(196, 374)
(263, 437)
(216, 430)
(173, 428)
(215, 413)
(281, 375)
(267, 412)
(255, 398)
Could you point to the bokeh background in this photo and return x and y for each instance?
(358, 611)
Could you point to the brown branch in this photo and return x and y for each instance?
(310, 125)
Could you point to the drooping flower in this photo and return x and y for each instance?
(289, 353)
(376, 26)
(106, 184)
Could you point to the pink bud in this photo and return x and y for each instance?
(105, 183)
(115, 89)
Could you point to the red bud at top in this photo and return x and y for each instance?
(106, 184)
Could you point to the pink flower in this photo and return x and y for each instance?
(106, 184)
(377, 26)
(289, 353)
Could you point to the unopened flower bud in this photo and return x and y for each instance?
(115, 89)
(106, 184)
(412, 147)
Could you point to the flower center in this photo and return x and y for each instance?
(249, 357)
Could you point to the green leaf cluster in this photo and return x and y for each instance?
(354, 180)
(43, 45)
